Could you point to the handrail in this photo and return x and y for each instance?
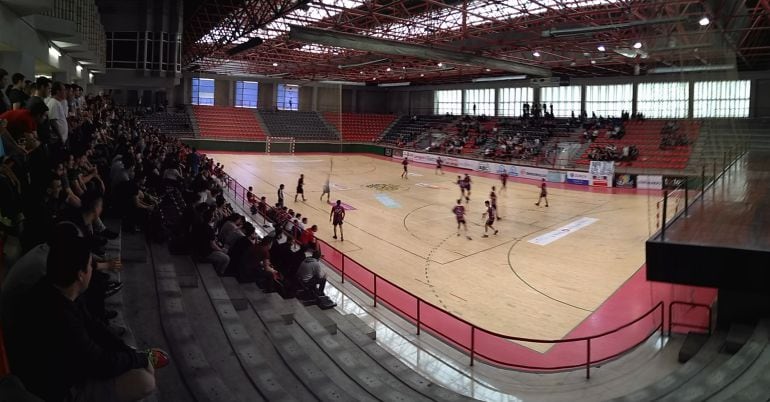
(240, 192)
(671, 322)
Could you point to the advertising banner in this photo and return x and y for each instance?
(555, 176)
(532, 173)
(649, 182)
(601, 168)
(601, 181)
(624, 181)
(581, 178)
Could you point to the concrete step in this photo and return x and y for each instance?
(356, 364)
(712, 380)
(362, 335)
(201, 378)
(276, 316)
(253, 363)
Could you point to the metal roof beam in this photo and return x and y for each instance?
(384, 46)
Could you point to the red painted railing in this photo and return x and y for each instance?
(480, 343)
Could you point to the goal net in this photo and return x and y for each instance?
(284, 145)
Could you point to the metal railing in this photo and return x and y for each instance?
(729, 158)
(477, 342)
(672, 324)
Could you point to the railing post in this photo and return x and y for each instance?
(343, 268)
(473, 344)
(663, 318)
(418, 316)
(714, 174)
(724, 160)
(663, 220)
(702, 180)
(588, 358)
(686, 196)
(375, 290)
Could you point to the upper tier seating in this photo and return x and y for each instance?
(228, 122)
(407, 128)
(305, 125)
(646, 136)
(359, 126)
(171, 123)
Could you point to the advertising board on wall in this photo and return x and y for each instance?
(581, 178)
(649, 182)
(624, 181)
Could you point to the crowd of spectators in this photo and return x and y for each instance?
(672, 136)
(65, 159)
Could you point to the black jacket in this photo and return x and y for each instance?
(53, 344)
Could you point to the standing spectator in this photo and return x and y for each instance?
(194, 162)
(57, 113)
(5, 103)
(16, 94)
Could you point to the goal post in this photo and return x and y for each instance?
(280, 145)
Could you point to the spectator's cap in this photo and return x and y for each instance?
(37, 106)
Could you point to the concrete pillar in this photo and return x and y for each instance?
(691, 98)
(634, 98)
(314, 101)
(18, 62)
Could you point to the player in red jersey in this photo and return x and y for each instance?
(493, 202)
(405, 163)
(459, 211)
(338, 214)
(543, 194)
(439, 164)
(490, 215)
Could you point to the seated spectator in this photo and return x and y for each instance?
(205, 246)
(307, 238)
(59, 352)
(243, 256)
(231, 230)
(311, 275)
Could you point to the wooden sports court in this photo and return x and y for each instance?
(405, 231)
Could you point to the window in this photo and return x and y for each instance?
(480, 102)
(202, 91)
(565, 100)
(608, 100)
(448, 102)
(660, 100)
(721, 99)
(288, 97)
(246, 93)
(511, 101)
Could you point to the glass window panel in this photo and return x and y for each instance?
(480, 102)
(288, 97)
(448, 102)
(511, 101)
(565, 100)
(660, 100)
(721, 98)
(608, 100)
(202, 91)
(246, 93)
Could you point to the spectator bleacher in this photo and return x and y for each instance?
(173, 123)
(360, 126)
(228, 123)
(300, 125)
(409, 128)
(646, 136)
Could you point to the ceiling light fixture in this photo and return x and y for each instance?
(441, 64)
(704, 21)
(536, 53)
(387, 69)
(601, 48)
(275, 64)
(593, 61)
(638, 45)
(422, 75)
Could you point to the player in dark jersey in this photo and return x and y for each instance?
(405, 163)
(459, 211)
(439, 164)
(503, 179)
(467, 181)
(300, 187)
(490, 215)
(543, 194)
(337, 216)
(493, 202)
